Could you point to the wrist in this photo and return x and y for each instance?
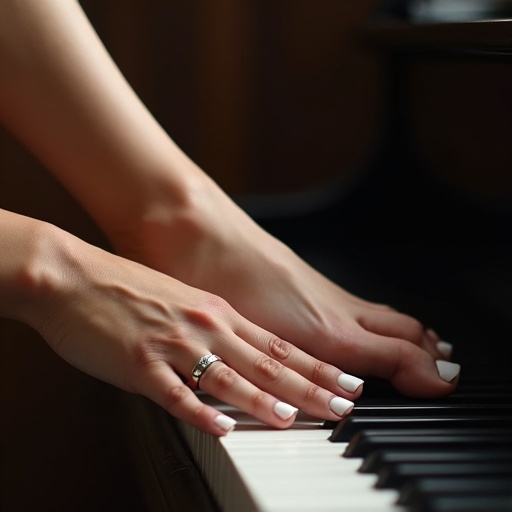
(173, 214)
(31, 269)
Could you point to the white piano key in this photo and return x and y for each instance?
(257, 468)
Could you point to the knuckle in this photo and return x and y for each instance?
(174, 396)
(157, 348)
(321, 372)
(202, 318)
(269, 368)
(279, 348)
(217, 303)
(406, 355)
(311, 393)
(209, 312)
(145, 353)
(258, 400)
(199, 414)
(225, 378)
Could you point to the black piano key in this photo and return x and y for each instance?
(365, 442)
(349, 426)
(461, 503)
(477, 397)
(390, 438)
(459, 406)
(394, 476)
(432, 410)
(502, 400)
(416, 491)
(373, 462)
(481, 382)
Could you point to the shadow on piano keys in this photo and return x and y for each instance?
(391, 454)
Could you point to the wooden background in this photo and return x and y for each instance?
(268, 97)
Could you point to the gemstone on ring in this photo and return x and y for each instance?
(201, 366)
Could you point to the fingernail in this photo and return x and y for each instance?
(430, 333)
(447, 371)
(341, 406)
(225, 422)
(284, 411)
(444, 348)
(349, 382)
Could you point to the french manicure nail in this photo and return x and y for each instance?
(284, 411)
(349, 382)
(447, 371)
(341, 406)
(444, 348)
(225, 422)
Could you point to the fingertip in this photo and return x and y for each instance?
(225, 423)
(341, 406)
(166, 389)
(208, 419)
(436, 347)
(284, 411)
(448, 371)
(350, 383)
(444, 348)
(427, 379)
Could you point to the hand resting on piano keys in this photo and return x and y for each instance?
(193, 274)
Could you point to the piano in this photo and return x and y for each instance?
(392, 453)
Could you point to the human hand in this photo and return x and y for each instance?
(143, 332)
(225, 252)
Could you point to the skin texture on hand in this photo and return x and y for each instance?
(270, 285)
(143, 332)
(217, 284)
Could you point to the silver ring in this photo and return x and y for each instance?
(201, 366)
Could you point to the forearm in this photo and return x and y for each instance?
(63, 96)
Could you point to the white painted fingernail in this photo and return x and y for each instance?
(447, 371)
(444, 348)
(341, 406)
(225, 422)
(284, 411)
(349, 382)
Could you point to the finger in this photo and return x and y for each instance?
(412, 370)
(257, 370)
(387, 321)
(444, 348)
(398, 325)
(161, 384)
(394, 324)
(225, 384)
(324, 375)
(229, 386)
(368, 304)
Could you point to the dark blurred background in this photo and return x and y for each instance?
(374, 137)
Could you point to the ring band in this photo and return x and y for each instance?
(201, 366)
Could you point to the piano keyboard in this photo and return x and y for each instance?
(391, 454)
